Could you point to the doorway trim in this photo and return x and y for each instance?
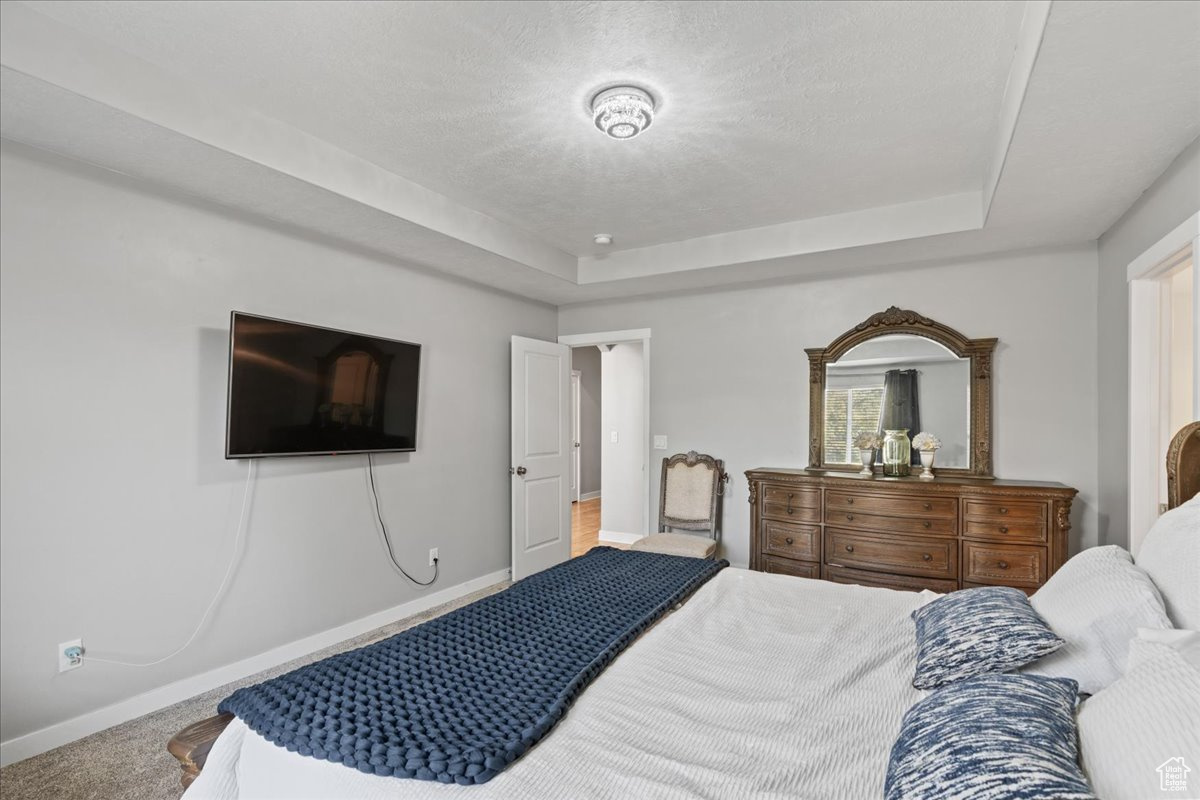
(1147, 374)
(630, 336)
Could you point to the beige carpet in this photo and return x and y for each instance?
(130, 761)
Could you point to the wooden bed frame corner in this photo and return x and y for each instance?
(192, 744)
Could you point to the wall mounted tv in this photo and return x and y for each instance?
(297, 390)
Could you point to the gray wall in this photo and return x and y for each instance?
(587, 361)
(1169, 201)
(729, 375)
(623, 462)
(118, 504)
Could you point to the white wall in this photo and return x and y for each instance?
(730, 378)
(1169, 201)
(622, 467)
(587, 361)
(118, 504)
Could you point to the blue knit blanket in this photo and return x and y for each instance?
(464, 695)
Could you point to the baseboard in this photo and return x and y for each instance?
(67, 731)
(619, 537)
(589, 496)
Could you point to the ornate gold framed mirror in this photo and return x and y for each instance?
(940, 381)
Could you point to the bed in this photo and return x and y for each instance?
(806, 702)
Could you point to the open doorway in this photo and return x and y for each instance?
(610, 407)
(1163, 366)
(585, 481)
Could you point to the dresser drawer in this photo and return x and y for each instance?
(786, 566)
(1028, 590)
(1003, 509)
(936, 526)
(1011, 565)
(906, 506)
(902, 554)
(801, 542)
(791, 504)
(902, 582)
(1006, 530)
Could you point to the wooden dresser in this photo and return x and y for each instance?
(906, 533)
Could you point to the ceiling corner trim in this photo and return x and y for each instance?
(939, 215)
(1029, 45)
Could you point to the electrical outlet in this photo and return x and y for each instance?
(660, 443)
(614, 437)
(433, 555)
(66, 663)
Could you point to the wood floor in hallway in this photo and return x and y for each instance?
(585, 526)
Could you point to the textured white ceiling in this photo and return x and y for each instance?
(770, 112)
(794, 140)
(1114, 98)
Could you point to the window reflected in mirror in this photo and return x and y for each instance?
(898, 381)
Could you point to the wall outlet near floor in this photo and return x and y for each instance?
(614, 437)
(660, 443)
(70, 655)
(433, 555)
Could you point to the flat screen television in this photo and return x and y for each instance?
(297, 390)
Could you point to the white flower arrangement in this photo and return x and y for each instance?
(868, 440)
(926, 441)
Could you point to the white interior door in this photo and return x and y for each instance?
(541, 455)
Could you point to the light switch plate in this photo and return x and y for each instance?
(660, 443)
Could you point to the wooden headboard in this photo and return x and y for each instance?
(1183, 466)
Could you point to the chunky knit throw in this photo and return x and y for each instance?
(464, 695)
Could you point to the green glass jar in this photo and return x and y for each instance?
(897, 453)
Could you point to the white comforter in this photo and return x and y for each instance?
(761, 686)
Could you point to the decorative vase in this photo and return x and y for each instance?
(897, 453)
(927, 464)
(867, 457)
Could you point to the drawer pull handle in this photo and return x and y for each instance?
(929, 506)
(1004, 529)
(927, 523)
(850, 500)
(849, 548)
(790, 540)
(790, 510)
(1002, 564)
(926, 557)
(850, 516)
(1003, 510)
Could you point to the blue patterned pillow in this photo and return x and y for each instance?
(994, 737)
(974, 631)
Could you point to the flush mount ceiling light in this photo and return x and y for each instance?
(623, 112)
(602, 238)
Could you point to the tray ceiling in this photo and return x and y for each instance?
(792, 139)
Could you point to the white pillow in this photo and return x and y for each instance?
(1170, 554)
(1145, 721)
(1096, 602)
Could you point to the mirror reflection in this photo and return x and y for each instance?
(898, 381)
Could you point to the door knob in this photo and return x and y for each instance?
(517, 470)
